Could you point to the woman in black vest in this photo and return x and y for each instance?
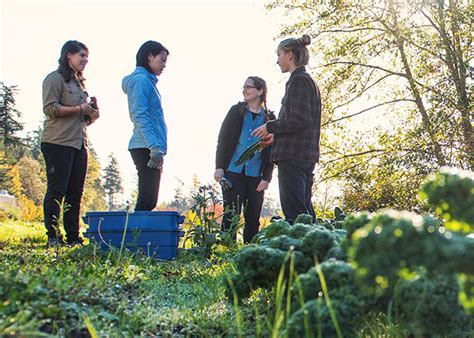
(244, 183)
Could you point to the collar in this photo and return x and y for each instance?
(151, 76)
(247, 110)
(300, 69)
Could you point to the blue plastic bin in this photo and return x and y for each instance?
(155, 233)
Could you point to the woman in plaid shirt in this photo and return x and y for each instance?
(295, 133)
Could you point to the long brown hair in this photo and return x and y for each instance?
(260, 84)
(70, 47)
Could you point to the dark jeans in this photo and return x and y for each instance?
(243, 194)
(295, 180)
(148, 180)
(66, 169)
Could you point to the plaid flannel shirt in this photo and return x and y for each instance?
(297, 129)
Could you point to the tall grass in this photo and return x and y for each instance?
(332, 313)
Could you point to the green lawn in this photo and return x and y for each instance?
(76, 290)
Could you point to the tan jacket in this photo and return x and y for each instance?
(67, 131)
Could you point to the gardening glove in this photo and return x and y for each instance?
(225, 184)
(218, 174)
(156, 158)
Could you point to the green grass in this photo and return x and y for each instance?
(85, 291)
(79, 290)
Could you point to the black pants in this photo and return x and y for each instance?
(243, 196)
(295, 180)
(148, 180)
(66, 169)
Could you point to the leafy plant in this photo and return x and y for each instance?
(203, 229)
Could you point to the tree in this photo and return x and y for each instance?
(33, 142)
(94, 195)
(180, 202)
(410, 61)
(112, 180)
(13, 182)
(9, 126)
(4, 167)
(33, 186)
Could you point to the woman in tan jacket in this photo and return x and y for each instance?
(64, 142)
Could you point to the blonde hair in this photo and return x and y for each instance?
(298, 48)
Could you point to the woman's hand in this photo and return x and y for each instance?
(262, 186)
(94, 115)
(261, 131)
(88, 110)
(218, 174)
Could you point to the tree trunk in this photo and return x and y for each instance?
(400, 41)
(457, 67)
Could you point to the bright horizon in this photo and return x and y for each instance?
(214, 47)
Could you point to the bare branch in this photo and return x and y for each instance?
(342, 30)
(356, 154)
(367, 109)
(363, 91)
(364, 65)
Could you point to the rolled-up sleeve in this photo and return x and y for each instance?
(52, 89)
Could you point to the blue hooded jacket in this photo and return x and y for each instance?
(146, 113)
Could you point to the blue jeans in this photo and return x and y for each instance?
(66, 169)
(295, 180)
(148, 180)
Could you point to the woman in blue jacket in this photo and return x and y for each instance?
(148, 144)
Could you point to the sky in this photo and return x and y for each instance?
(214, 46)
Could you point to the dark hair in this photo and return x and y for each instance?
(70, 47)
(298, 48)
(150, 47)
(260, 84)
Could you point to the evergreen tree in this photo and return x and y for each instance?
(33, 142)
(4, 167)
(9, 126)
(180, 202)
(112, 180)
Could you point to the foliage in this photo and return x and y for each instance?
(407, 64)
(112, 180)
(181, 202)
(93, 198)
(33, 142)
(394, 233)
(9, 126)
(439, 254)
(202, 225)
(259, 265)
(424, 300)
(411, 265)
(4, 166)
(13, 181)
(33, 185)
(30, 211)
(45, 294)
(9, 212)
(451, 192)
(346, 306)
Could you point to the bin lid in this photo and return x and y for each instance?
(145, 220)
